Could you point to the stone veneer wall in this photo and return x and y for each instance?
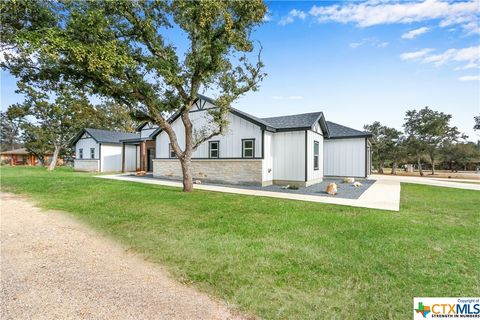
(86, 165)
(234, 171)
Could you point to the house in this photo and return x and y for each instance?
(23, 157)
(297, 149)
(102, 150)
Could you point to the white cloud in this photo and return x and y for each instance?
(369, 41)
(268, 16)
(415, 54)
(415, 33)
(470, 56)
(470, 78)
(287, 98)
(292, 15)
(372, 13)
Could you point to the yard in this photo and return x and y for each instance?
(281, 258)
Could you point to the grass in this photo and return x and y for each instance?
(283, 259)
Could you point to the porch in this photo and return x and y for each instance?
(138, 155)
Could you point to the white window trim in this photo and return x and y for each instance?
(316, 143)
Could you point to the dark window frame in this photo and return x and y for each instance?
(92, 153)
(252, 148)
(316, 157)
(80, 153)
(210, 149)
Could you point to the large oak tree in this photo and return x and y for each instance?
(124, 50)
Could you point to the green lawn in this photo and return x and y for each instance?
(283, 259)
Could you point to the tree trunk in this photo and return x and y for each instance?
(432, 160)
(380, 167)
(186, 158)
(394, 168)
(419, 162)
(186, 163)
(53, 163)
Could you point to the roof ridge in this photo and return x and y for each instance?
(296, 114)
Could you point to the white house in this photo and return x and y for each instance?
(297, 149)
(101, 150)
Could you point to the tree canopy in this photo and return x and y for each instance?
(427, 131)
(121, 50)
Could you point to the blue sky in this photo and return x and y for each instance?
(363, 61)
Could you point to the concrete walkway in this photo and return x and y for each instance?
(438, 182)
(383, 194)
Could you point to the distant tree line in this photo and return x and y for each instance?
(427, 139)
(47, 120)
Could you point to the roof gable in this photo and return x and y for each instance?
(105, 136)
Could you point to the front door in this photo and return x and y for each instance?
(150, 157)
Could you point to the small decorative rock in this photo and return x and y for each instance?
(349, 180)
(285, 187)
(332, 189)
(197, 181)
(357, 184)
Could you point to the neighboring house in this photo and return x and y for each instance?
(298, 149)
(22, 156)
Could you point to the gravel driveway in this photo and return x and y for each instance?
(53, 267)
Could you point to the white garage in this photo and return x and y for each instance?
(101, 150)
(347, 152)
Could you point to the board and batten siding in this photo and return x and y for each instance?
(312, 174)
(345, 157)
(230, 143)
(86, 144)
(289, 156)
(110, 158)
(130, 157)
(267, 165)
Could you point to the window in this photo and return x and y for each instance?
(80, 153)
(248, 146)
(92, 153)
(171, 152)
(213, 149)
(316, 154)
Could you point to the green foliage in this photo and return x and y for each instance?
(9, 132)
(458, 156)
(282, 259)
(120, 50)
(38, 140)
(427, 131)
(388, 144)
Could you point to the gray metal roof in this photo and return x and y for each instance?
(106, 136)
(304, 120)
(338, 131)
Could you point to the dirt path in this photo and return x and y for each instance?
(53, 267)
